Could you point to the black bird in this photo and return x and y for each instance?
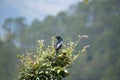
(59, 43)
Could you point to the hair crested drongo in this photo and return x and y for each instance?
(59, 43)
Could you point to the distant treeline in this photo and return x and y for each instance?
(99, 19)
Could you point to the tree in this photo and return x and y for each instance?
(47, 64)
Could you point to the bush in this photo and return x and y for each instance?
(46, 64)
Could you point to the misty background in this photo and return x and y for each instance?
(23, 22)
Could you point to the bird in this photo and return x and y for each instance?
(59, 43)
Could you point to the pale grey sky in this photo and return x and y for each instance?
(32, 9)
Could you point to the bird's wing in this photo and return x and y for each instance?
(59, 44)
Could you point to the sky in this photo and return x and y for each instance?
(32, 9)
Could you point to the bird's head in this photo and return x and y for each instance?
(58, 38)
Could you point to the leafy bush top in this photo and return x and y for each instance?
(46, 64)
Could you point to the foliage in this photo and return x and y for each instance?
(7, 61)
(47, 64)
(99, 19)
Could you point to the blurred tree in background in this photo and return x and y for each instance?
(99, 19)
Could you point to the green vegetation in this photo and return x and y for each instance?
(47, 64)
(99, 19)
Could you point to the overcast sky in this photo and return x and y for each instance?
(31, 9)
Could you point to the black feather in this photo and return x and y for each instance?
(59, 43)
